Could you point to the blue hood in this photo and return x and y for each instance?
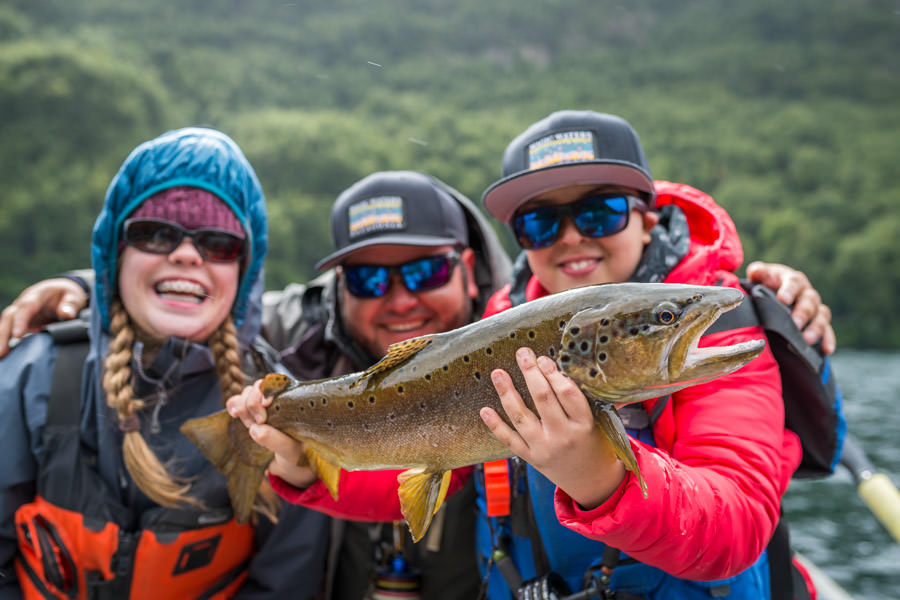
(197, 157)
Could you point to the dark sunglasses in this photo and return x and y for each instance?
(161, 237)
(373, 281)
(594, 216)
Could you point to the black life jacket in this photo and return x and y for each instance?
(73, 538)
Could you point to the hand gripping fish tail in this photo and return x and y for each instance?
(418, 408)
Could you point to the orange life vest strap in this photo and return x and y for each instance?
(496, 487)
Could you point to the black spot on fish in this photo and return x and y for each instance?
(324, 401)
(604, 322)
(593, 372)
(531, 335)
(415, 368)
(422, 405)
(604, 339)
(645, 327)
(585, 346)
(571, 345)
(466, 358)
(399, 389)
(488, 351)
(575, 330)
(512, 335)
(562, 324)
(564, 358)
(477, 375)
(371, 399)
(633, 331)
(428, 376)
(278, 407)
(551, 351)
(312, 403)
(350, 404)
(602, 357)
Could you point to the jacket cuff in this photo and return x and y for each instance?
(296, 495)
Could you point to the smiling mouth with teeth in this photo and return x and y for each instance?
(182, 291)
(408, 326)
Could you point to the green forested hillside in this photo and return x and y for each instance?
(786, 112)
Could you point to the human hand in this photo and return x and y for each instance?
(56, 299)
(792, 287)
(290, 463)
(562, 441)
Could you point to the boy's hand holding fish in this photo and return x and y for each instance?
(290, 462)
(562, 440)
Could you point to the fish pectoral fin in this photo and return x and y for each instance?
(610, 424)
(397, 353)
(421, 495)
(329, 473)
(274, 383)
(227, 444)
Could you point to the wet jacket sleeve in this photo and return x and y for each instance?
(282, 316)
(714, 482)
(362, 495)
(290, 562)
(24, 389)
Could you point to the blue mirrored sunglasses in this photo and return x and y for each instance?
(373, 281)
(594, 216)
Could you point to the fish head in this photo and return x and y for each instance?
(642, 344)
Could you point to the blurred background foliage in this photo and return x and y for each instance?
(787, 113)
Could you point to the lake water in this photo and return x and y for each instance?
(830, 524)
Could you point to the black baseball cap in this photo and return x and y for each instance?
(569, 147)
(394, 207)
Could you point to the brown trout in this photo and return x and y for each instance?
(418, 408)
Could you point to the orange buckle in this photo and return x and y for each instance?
(496, 487)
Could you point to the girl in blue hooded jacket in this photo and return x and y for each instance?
(111, 500)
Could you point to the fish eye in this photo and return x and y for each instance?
(666, 313)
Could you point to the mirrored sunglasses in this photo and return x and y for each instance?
(162, 237)
(373, 281)
(594, 216)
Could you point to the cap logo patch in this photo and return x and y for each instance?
(559, 148)
(376, 214)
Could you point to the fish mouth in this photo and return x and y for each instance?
(689, 364)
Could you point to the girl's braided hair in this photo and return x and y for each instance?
(149, 474)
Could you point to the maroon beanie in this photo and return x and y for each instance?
(190, 207)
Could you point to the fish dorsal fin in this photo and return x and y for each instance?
(329, 474)
(274, 383)
(421, 495)
(396, 354)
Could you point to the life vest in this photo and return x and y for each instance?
(75, 540)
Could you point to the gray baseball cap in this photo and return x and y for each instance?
(569, 147)
(394, 207)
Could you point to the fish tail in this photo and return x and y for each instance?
(610, 423)
(226, 443)
(421, 495)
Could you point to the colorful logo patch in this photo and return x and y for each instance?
(376, 214)
(558, 148)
